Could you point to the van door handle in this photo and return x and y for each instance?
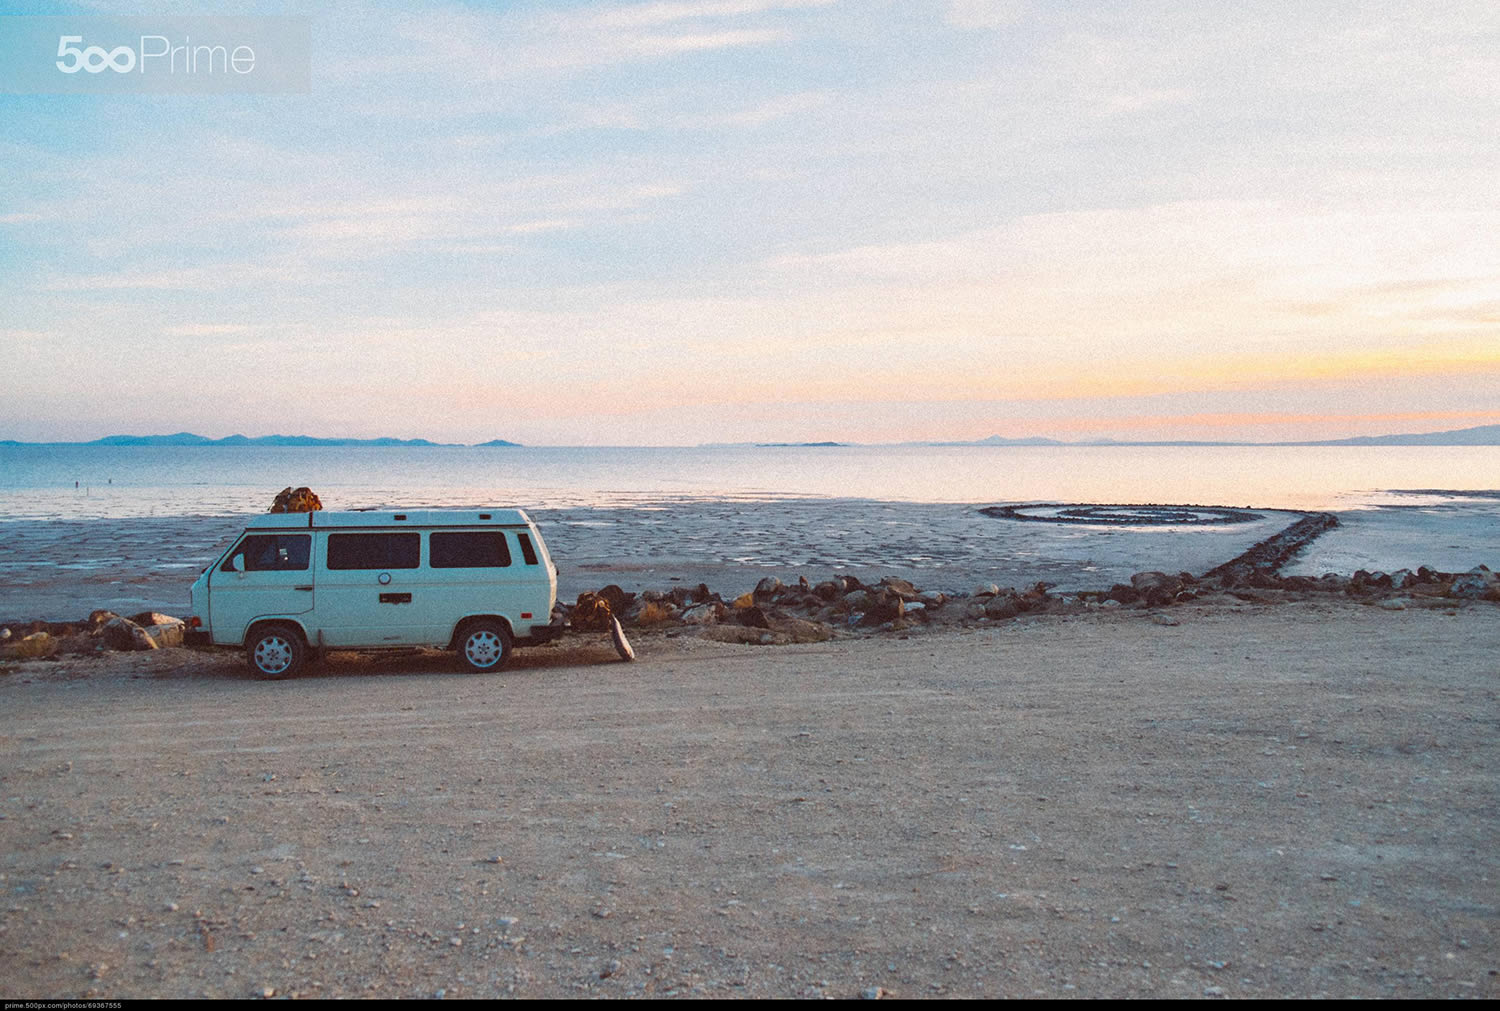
(395, 598)
(305, 589)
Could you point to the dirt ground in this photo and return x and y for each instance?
(1298, 800)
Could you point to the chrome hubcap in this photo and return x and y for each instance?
(273, 654)
(484, 649)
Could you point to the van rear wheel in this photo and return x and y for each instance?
(484, 645)
(275, 652)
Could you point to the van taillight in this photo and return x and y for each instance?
(195, 622)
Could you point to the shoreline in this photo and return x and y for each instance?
(62, 569)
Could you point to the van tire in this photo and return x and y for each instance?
(484, 645)
(275, 652)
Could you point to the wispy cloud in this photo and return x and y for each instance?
(650, 15)
(981, 14)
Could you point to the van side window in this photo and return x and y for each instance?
(527, 551)
(479, 549)
(374, 551)
(272, 553)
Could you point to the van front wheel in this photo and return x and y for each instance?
(485, 645)
(275, 652)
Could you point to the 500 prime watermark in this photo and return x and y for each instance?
(184, 59)
(126, 55)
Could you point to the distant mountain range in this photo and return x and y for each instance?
(1482, 435)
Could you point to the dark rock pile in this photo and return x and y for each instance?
(103, 630)
(777, 612)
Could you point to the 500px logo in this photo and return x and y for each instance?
(86, 54)
(186, 58)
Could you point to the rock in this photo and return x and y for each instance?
(1002, 607)
(739, 634)
(743, 601)
(167, 634)
(619, 601)
(974, 610)
(32, 647)
(751, 617)
(801, 630)
(592, 613)
(901, 588)
(654, 612)
(1402, 578)
(768, 587)
(5, 634)
(883, 607)
(124, 634)
(828, 589)
(152, 618)
(98, 619)
(1122, 594)
(1156, 588)
(708, 613)
(1477, 584)
(986, 590)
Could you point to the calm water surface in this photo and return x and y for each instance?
(39, 482)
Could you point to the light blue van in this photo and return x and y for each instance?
(476, 581)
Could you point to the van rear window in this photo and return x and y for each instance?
(374, 551)
(478, 549)
(527, 551)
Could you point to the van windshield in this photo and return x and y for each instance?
(272, 553)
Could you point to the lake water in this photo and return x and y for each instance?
(82, 482)
(140, 521)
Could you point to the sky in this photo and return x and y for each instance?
(670, 222)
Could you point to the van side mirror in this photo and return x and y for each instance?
(237, 563)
